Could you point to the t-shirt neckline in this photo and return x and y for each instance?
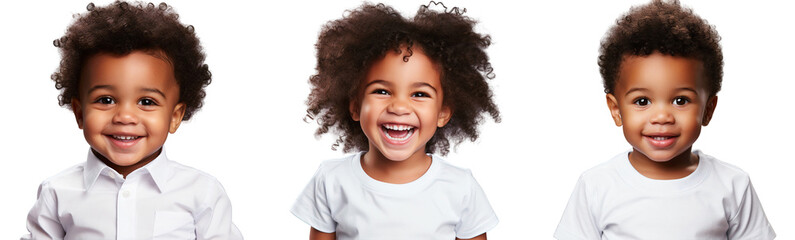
(392, 188)
(635, 178)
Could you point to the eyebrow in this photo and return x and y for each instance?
(645, 89)
(635, 90)
(109, 87)
(154, 91)
(378, 81)
(422, 84)
(416, 84)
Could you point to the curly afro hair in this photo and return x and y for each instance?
(121, 28)
(664, 27)
(347, 48)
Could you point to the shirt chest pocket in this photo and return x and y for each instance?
(173, 225)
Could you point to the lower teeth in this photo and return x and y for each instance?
(408, 135)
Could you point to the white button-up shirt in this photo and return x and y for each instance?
(161, 200)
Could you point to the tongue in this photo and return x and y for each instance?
(397, 134)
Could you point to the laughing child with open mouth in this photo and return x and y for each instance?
(398, 90)
(131, 73)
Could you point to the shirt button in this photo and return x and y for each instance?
(125, 193)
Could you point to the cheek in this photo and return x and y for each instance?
(429, 113)
(94, 119)
(691, 122)
(156, 123)
(634, 119)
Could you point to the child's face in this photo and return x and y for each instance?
(128, 105)
(662, 101)
(401, 105)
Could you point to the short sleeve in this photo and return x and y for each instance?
(578, 221)
(42, 222)
(477, 216)
(214, 220)
(312, 205)
(750, 221)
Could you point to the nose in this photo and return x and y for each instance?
(125, 114)
(399, 106)
(662, 115)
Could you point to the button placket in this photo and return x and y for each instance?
(126, 208)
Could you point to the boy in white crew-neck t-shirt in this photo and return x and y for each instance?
(614, 201)
(662, 67)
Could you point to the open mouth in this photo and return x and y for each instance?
(660, 138)
(661, 141)
(124, 139)
(397, 132)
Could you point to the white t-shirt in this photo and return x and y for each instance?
(161, 200)
(444, 203)
(614, 201)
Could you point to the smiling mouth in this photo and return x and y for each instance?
(660, 138)
(397, 132)
(661, 141)
(123, 138)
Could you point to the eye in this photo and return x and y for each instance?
(420, 94)
(105, 100)
(147, 102)
(679, 101)
(642, 101)
(380, 92)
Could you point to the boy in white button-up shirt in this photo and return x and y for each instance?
(131, 73)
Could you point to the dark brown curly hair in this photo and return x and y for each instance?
(347, 48)
(664, 27)
(121, 28)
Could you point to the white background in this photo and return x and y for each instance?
(250, 133)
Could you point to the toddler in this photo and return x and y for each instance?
(662, 68)
(397, 90)
(131, 73)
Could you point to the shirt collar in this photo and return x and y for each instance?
(158, 169)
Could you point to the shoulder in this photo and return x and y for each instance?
(454, 179)
(185, 176)
(71, 177)
(450, 171)
(606, 171)
(334, 170)
(337, 164)
(726, 173)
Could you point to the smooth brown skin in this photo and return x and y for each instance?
(314, 234)
(390, 95)
(662, 95)
(130, 95)
(399, 92)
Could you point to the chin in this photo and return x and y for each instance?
(125, 160)
(659, 157)
(396, 156)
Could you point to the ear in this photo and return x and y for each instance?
(612, 104)
(176, 117)
(77, 109)
(444, 116)
(353, 108)
(711, 104)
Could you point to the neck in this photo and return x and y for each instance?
(125, 170)
(380, 168)
(677, 167)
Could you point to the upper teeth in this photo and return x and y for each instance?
(124, 137)
(398, 127)
(660, 138)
